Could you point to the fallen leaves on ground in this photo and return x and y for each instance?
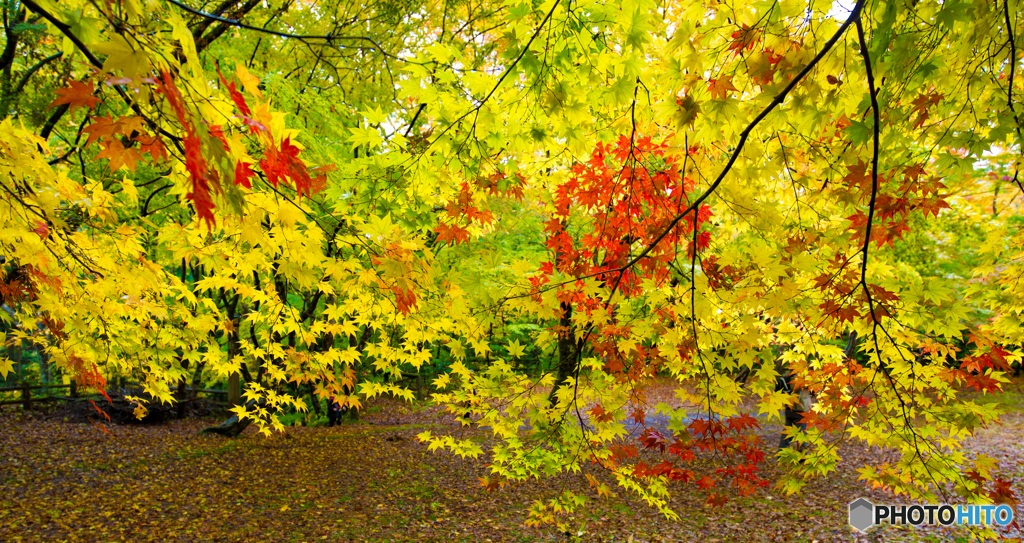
(372, 481)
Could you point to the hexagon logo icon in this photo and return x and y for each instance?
(862, 514)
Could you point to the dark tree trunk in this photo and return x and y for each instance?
(229, 428)
(567, 351)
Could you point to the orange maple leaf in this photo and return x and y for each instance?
(76, 96)
(119, 156)
(152, 145)
(105, 127)
(716, 500)
(745, 38)
(706, 482)
(720, 87)
(492, 483)
(924, 101)
(453, 233)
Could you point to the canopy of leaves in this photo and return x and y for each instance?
(540, 206)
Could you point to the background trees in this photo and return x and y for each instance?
(567, 197)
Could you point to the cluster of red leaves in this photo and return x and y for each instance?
(847, 299)
(88, 375)
(399, 263)
(119, 136)
(17, 285)
(202, 177)
(900, 192)
(975, 371)
(733, 437)
(637, 363)
(720, 276)
(830, 384)
(636, 194)
(922, 104)
(463, 209)
(745, 38)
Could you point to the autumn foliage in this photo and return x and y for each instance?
(533, 211)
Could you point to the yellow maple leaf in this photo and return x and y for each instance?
(131, 60)
(6, 365)
(515, 349)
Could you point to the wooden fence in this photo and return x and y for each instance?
(73, 393)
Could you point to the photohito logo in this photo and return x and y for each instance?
(864, 514)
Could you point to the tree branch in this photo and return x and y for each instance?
(12, 38)
(64, 29)
(777, 101)
(205, 22)
(328, 38)
(874, 153)
(1009, 88)
(52, 121)
(204, 41)
(31, 71)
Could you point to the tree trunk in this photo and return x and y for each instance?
(229, 428)
(566, 352)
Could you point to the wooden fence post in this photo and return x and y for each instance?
(74, 388)
(26, 397)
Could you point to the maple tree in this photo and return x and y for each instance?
(343, 193)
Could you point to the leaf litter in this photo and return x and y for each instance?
(372, 480)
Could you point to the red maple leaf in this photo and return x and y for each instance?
(283, 162)
(623, 451)
(236, 96)
(982, 383)
(1002, 493)
(100, 127)
(745, 38)
(924, 101)
(200, 177)
(405, 299)
(166, 87)
(78, 95)
(742, 422)
(976, 476)
(243, 174)
(921, 119)
(601, 415)
(700, 426)
(653, 439)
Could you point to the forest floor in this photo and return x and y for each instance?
(372, 480)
